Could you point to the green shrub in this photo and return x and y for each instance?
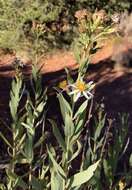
(54, 20)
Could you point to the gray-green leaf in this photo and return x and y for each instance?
(58, 135)
(84, 176)
(57, 167)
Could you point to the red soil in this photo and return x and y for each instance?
(114, 85)
(56, 61)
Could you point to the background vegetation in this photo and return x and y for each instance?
(79, 148)
(55, 21)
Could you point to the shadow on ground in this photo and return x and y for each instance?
(113, 87)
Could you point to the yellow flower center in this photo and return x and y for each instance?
(63, 84)
(81, 86)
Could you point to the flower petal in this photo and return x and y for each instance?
(77, 96)
(72, 85)
(73, 92)
(90, 93)
(86, 96)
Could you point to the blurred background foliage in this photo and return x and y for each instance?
(53, 22)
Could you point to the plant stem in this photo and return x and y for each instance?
(13, 156)
(30, 176)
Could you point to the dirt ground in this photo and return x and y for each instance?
(113, 85)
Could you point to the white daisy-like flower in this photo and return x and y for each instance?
(80, 89)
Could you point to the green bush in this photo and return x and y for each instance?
(54, 20)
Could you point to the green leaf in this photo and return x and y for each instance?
(130, 160)
(69, 78)
(2, 186)
(100, 125)
(29, 128)
(57, 167)
(15, 97)
(77, 152)
(107, 168)
(37, 184)
(58, 135)
(21, 183)
(29, 149)
(40, 141)
(21, 142)
(100, 143)
(35, 71)
(17, 179)
(21, 160)
(5, 140)
(56, 181)
(77, 54)
(69, 126)
(77, 130)
(82, 177)
(40, 108)
(79, 125)
(81, 109)
(11, 175)
(64, 106)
